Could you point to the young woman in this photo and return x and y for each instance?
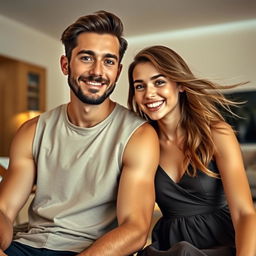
(201, 185)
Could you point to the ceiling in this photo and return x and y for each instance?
(139, 16)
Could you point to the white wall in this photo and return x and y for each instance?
(225, 53)
(23, 43)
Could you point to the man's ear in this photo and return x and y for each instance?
(119, 71)
(64, 64)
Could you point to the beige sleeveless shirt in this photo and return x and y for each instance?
(77, 179)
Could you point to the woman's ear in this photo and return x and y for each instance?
(181, 88)
(64, 64)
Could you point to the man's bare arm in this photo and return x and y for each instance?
(17, 185)
(136, 197)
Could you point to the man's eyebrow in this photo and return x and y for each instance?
(92, 53)
(151, 78)
(89, 52)
(112, 56)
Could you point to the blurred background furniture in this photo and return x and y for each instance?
(249, 157)
(22, 96)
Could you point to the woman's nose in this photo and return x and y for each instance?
(150, 92)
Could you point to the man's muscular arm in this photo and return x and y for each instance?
(136, 197)
(17, 185)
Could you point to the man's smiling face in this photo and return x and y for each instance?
(94, 67)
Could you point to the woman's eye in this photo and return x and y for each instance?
(139, 87)
(159, 82)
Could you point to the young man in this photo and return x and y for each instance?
(92, 160)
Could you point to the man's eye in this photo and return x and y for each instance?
(109, 62)
(86, 58)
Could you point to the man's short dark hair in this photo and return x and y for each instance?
(100, 22)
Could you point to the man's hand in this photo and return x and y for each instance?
(2, 253)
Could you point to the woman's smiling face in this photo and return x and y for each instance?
(155, 94)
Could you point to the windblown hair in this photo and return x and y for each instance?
(100, 22)
(199, 103)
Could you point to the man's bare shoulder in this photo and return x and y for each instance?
(28, 126)
(144, 142)
(24, 135)
(145, 130)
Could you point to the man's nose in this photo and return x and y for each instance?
(96, 68)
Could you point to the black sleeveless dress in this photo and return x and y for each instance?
(196, 219)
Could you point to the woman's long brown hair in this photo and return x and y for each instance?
(199, 103)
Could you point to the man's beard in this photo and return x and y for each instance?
(85, 98)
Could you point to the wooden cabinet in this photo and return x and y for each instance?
(22, 93)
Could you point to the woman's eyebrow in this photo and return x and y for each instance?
(151, 78)
(156, 76)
